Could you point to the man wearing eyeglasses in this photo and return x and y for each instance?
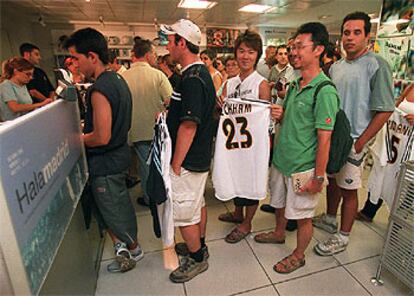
(39, 87)
(301, 153)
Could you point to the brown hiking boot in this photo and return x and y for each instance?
(188, 269)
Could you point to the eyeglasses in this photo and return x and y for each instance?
(300, 46)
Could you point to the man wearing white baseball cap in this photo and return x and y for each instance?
(191, 126)
(186, 29)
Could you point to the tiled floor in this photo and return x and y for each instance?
(246, 268)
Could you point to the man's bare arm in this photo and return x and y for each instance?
(379, 119)
(322, 156)
(102, 122)
(185, 137)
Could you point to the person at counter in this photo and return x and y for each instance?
(39, 87)
(107, 121)
(71, 65)
(15, 99)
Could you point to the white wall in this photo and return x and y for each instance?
(16, 29)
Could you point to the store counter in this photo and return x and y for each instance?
(45, 245)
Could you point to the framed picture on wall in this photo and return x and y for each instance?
(396, 18)
(222, 40)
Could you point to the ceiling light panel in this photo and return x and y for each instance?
(256, 8)
(196, 4)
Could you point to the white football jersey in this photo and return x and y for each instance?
(240, 167)
(160, 153)
(392, 146)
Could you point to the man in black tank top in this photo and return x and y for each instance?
(107, 121)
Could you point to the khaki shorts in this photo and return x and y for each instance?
(187, 192)
(350, 176)
(297, 206)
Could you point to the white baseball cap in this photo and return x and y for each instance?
(186, 29)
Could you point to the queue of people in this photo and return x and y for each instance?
(121, 106)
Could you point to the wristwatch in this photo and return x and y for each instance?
(319, 179)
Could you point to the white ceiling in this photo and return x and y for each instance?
(289, 13)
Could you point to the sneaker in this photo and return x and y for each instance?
(182, 250)
(188, 269)
(331, 246)
(124, 260)
(322, 223)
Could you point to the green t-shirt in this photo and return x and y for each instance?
(295, 150)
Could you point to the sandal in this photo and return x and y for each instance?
(235, 236)
(269, 238)
(229, 217)
(288, 264)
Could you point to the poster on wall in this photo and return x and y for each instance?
(395, 52)
(221, 39)
(396, 18)
(43, 173)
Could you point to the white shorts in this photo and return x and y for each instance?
(187, 193)
(350, 176)
(297, 206)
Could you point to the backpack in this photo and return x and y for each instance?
(341, 140)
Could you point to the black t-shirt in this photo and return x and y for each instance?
(41, 83)
(114, 157)
(194, 100)
(174, 80)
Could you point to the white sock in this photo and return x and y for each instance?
(136, 250)
(343, 237)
